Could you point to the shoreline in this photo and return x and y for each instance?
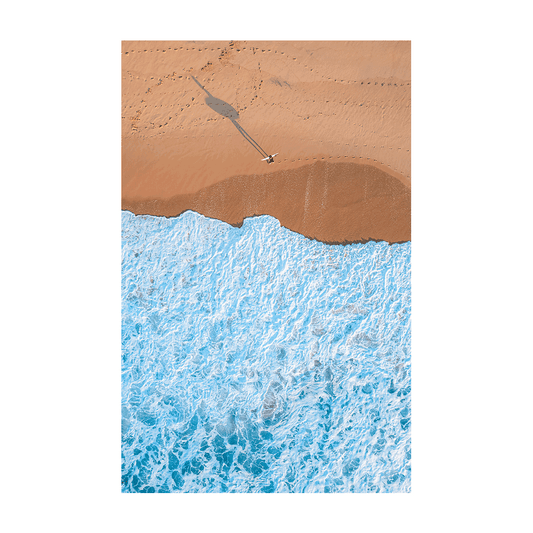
(334, 203)
(238, 226)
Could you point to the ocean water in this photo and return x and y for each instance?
(257, 360)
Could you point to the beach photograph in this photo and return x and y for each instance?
(266, 246)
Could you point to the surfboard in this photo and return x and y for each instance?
(270, 157)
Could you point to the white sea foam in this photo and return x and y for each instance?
(257, 360)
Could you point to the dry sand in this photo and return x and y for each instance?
(198, 117)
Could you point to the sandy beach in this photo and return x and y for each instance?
(198, 117)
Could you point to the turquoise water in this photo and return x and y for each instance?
(257, 360)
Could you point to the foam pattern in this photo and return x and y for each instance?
(257, 360)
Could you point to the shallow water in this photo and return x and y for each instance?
(257, 360)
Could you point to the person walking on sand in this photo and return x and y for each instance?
(270, 158)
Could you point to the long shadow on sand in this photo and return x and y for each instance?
(228, 111)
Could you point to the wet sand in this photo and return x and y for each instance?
(198, 117)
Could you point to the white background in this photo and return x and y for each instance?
(419, 33)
